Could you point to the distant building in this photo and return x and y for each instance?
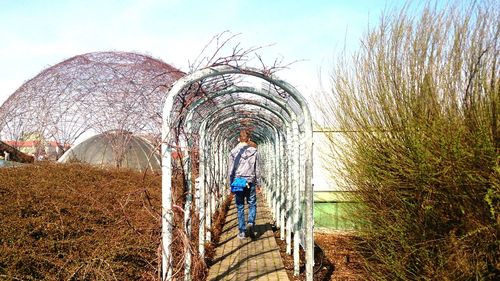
(40, 149)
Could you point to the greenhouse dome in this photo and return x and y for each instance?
(115, 149)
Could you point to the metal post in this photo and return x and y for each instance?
(289, 149)
(187, 209)
(296, 205)
(202, 179)
(166, 202)
(283, 200)
(277, 187)
(208, 199)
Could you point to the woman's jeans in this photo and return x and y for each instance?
(250, 195)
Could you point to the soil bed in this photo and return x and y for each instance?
(335, 258)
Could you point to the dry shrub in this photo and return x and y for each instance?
(419, 105)
(76, 222)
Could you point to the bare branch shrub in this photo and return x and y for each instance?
(418, 105)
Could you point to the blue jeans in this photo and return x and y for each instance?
(251, 196)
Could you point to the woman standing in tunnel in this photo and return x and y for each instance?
(244, 176)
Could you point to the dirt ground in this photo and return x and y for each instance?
(335, 259)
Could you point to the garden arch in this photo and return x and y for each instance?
(203, 112)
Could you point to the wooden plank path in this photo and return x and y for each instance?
(248, 259)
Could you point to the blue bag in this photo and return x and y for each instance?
(238, 185)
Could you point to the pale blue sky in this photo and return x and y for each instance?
(35, 34)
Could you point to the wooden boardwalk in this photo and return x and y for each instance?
(248, 259)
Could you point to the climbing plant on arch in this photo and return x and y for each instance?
(204, 112)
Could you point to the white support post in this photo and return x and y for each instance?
(223, 173)
(225, 182)
(283, 200)
(272, 182)
(296, 203)
(201, 188)
(187, 210)
(167, 220)
(277, 187)
(215, 186)
(309, 194)
(289, 223)
(209, 195)
(269, 180)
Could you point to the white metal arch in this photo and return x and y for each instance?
(294, 138)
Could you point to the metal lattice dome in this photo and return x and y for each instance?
(95, 92)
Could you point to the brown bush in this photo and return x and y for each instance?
(76, 222)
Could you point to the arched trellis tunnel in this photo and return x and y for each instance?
(204, 111)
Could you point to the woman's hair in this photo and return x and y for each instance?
(244, 136)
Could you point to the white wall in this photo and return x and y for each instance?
(325, 162)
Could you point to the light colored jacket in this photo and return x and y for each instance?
(249, 164)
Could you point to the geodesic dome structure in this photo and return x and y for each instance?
(95, 92)
(108, 150)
